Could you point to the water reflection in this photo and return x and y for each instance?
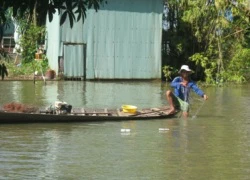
(90, 94)
(214, 145)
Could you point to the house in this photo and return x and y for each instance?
(7, 37)
(120, 41)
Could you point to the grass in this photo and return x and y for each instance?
(18, 70)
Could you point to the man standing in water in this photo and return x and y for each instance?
(182, 85)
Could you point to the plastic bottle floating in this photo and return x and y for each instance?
(125, 130)
(163, 129)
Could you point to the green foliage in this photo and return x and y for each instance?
(3, 54)
(40, 65)
(38, 9)
(169, 71)
(27, 69)
(212, 37)
(208, 65)
(29, 42)
(199, 59)
(238, 69)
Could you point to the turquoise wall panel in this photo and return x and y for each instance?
(53, 42)
(123, 39)
(73, 60)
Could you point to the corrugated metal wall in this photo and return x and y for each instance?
(73, 60)
(53, 42)
(123, 40)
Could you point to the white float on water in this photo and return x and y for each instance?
(163, 129)
(125, 130)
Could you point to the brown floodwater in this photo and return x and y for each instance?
(212, 145)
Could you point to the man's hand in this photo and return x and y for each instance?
(205, 97)
(184, 83)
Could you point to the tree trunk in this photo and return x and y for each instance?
(34, 14)
(220, 60)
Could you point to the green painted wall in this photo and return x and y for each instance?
(122, 40)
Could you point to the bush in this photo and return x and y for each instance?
(29, 42)
(27, 68)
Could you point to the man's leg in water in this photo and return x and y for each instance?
(170, 98)
(184, 107)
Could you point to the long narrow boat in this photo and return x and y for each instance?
(84, 115)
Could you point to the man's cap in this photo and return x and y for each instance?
(185, 68)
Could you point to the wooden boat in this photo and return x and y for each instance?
(83, 115)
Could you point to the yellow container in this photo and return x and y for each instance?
(129, 109)
(38, 56)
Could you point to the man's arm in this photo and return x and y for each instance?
(197, 90)
(176, 82)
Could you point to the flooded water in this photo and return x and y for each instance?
(213, 145)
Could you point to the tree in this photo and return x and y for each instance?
(29, 13)
(209, 35)
(37, 9)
